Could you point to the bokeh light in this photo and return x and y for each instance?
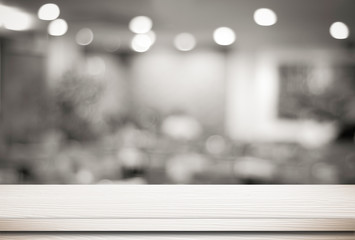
(14, 19)
(339, 30)
(141, 24)
(49, 11)
(181, 127)
(185, 42)
(265, 17)
(141, 42)
(57, 27)
(84, 36)
(216, 144)
(224, 36)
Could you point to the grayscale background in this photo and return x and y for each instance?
(277, 105)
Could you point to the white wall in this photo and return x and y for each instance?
(167, 80)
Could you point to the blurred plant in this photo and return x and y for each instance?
(76, 98)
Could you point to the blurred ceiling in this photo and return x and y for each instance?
(299, 22)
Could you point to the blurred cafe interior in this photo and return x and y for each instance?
(177, 92)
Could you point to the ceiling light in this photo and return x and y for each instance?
(265, 17)
(141, 43)
(185, 42)
(339, 30)
(57, 27)
(224, 36)
(84, 37)
(49, 11)
(14, 19)
(140, 24)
